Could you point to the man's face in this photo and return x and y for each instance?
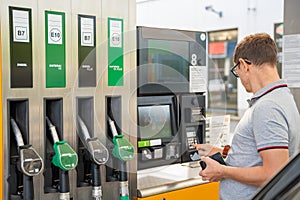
(243, 74)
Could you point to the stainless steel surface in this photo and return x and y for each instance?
(168, 187)
(38, 93)
(97, 193)
(64, 196)
(124, 191)
(167, 178)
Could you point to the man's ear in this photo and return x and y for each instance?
(244, 64)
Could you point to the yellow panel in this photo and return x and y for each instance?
(204, 191)
(1, 136)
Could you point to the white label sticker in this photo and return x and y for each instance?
(218, 133)
(87, 31)
(115, 33)
(21, 26)
(54, 29)
(197, 78)
(291, 59)
(155, 142)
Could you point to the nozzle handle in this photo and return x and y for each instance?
(17, 132)
(85, 132)
(112, 127)
(52, 130)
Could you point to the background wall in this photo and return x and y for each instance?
(292, 27)
(248, 16)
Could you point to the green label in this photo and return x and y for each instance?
(145, 143)
(115, 52)
(55, 49)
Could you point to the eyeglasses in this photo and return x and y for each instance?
(233, 69)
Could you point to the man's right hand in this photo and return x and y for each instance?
(206, 149)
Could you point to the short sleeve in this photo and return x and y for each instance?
(270, 126)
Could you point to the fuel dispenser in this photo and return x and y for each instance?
(123, 150)
(29, 163)
(64, 158)
(51, 56)
(98, 154)
(171, 107)
(24, 161)
(192, 128)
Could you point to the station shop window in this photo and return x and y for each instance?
(278, 37)
(222, 85)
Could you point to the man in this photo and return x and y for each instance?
(268, 133)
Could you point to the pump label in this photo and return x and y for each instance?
(115, 52)
(55, 29)
(21, 25)
(21, 65)
(55, 49)
(87, 30)
(115, 33)
(87, 51)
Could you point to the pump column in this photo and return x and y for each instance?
(118, 34)
(1, 133)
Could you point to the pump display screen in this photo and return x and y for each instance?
(164, 57)
(168, 62)
(154, 121)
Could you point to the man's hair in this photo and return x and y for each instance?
(258, 48)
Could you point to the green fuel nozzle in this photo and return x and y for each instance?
(65, 157)
(123, 149)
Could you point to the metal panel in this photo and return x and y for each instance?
(292, 26)
(63, 93)
(38, 92)
(18, 93)
(112, 9)
(1, 131)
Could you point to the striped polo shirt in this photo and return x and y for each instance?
(271, 121)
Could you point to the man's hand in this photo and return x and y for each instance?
(206, 149)
(272, 161)
(213, 171)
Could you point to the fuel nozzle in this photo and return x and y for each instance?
(97, 150)
(31, 162)
(65, 157)
(123, 149)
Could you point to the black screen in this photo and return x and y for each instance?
(154, 121)
(168, 61)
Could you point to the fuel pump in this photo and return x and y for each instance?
(99, 156)
(65, 158)
(123, 150)
(31, 164)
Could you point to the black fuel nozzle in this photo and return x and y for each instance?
(97, 150)
(31, 162)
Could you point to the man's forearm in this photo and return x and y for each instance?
(255, 176)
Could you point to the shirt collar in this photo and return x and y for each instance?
(265, 90)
